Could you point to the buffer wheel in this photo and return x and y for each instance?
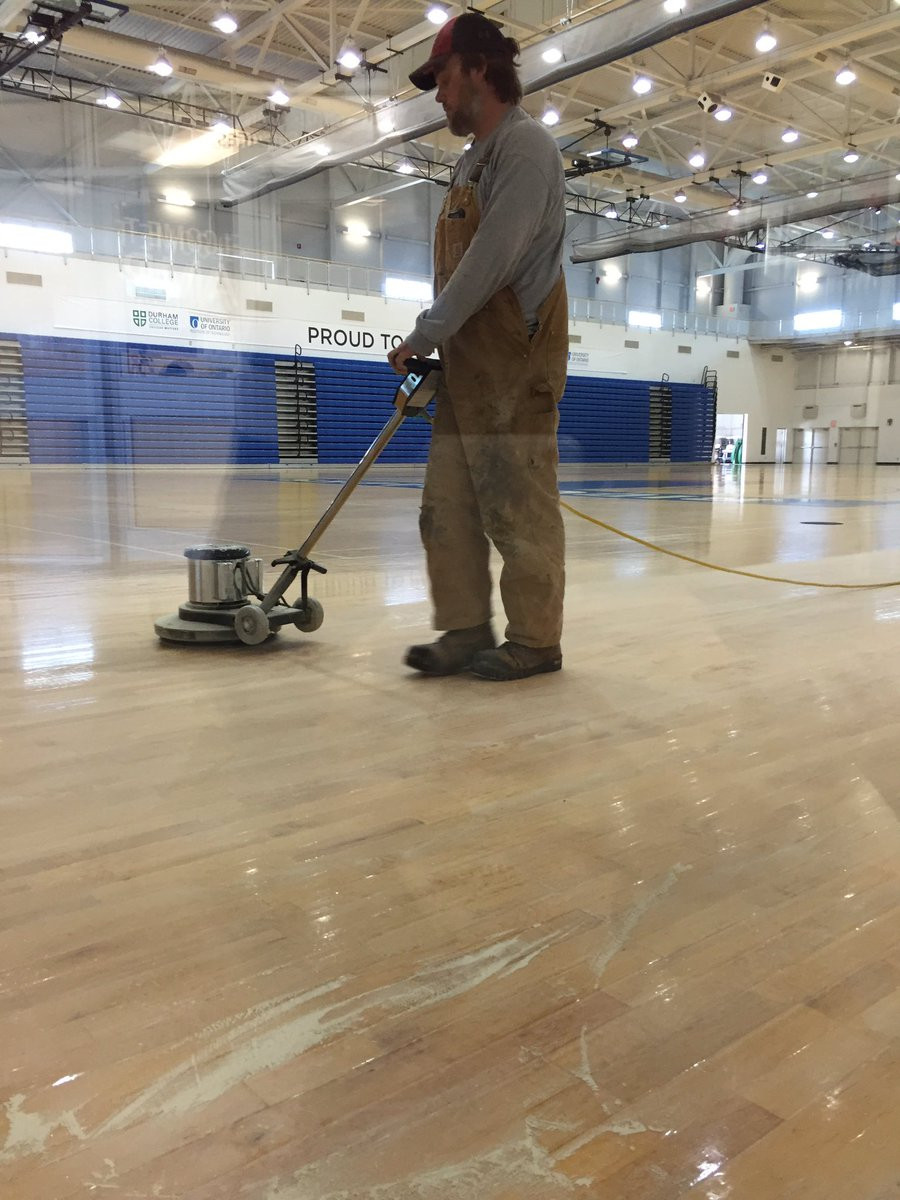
(310, 618)
(251, 625)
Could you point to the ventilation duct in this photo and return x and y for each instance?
(719, 226)
(594, 43)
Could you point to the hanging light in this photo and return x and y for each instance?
(845, 76)
(760, 177)
(674, 6)
(641, 85)
(220, 125)
(766, 40)
(109, 99)
(679, 197)
(161, 66)
(33, 34)
(735, 210)
(723, 113)
(790, 135)
(405, 167)
(437, 14)
(851, 155)
(698, 158)
(828, 234)
(811, 195)
(177, 198)
(225, 23)
(552, 55)
(612, 213)
(349, 57)
(550, 116)
(630, 140)
(279, 96)
(385, 122)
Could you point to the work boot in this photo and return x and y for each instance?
(513, 661)
(452, 652)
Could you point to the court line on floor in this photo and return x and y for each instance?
(698, 562)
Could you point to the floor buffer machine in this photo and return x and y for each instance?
(226, 602)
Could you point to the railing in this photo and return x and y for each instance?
(197, 256)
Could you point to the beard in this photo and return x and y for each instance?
(467, 112)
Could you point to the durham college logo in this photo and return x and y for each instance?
(139, 316)
(162, 319)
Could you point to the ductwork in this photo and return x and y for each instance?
(762, 215)
(603, 39)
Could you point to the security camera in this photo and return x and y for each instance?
(772, 82)
(708, 103)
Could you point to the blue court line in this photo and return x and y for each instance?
(600, 488)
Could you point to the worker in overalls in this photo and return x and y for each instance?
(500, 320)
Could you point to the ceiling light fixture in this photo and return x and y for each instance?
(225, 23)
(760, 177)
(322, 149)
(220, 125)
(33, 34)
(790, 135)
(110, 100)
(641, 85)
(161, 66)
(698, 158)
(845, 76)
(828, 234)
(811, 195)
(766, 40)
(437, 14)
(679, 197)
(612, 213)
(279, 96)
(674, 7)
(851, 155)
(349, 57)
(385, 122)
(735, 210)
(723, 113)
(550, 116)
(405, 167)
(630, 140)
(177, 198)
(552, 55)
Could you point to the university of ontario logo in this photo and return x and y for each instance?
(195, 322)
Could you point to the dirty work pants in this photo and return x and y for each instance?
(492, 477)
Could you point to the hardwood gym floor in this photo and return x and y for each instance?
(288, 923)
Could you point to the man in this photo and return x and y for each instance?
(500, 318)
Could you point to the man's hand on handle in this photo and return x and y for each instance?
(399, 355)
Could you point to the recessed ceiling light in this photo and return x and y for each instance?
(550, 116)
(790, 135)
(760, 177)
(845, 76)
(552, 54)
(723, 113)
(225, 23)
(642, 85)
(766, 40)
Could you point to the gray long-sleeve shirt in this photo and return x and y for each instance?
(519, 240)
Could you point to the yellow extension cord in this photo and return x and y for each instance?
(698, 562)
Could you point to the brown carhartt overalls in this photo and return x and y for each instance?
(492, 468)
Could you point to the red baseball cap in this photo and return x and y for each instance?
(469, 33)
